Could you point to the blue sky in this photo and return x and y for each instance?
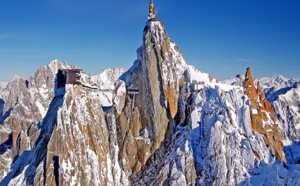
(220, 37)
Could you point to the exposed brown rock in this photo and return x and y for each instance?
(145, 120)
(256, 154)
(172, 100)
(262, 116)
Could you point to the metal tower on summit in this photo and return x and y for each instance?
(152, 15)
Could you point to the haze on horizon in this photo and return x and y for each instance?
(221, 38)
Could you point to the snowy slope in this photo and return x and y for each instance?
(105, 81)
(284, 95)
(237, 80)
(219, 140)
(24, 105)
(287, 106)
(3, 85)
(222, 138)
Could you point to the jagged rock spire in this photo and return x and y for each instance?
(262, 116)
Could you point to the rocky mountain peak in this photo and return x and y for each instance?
(151, 99)
(17, 78)
(13, 91)
(281, 78)
(162, 52)
(108, 76)
(248, 74)
(162, 122)
(262, 116)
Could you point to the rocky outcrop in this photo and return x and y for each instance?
(16, 87)
(262, 116)
(166, 123)
(25, 103)
(148, 117)
(286, 102)
(78, 150)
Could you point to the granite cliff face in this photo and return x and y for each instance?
(162, 122)
(25, 103)
(158, 74)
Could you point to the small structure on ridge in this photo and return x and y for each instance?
(198, 85)
(68, 76)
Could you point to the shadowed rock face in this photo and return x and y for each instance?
(79, 148)
(262, 117)
(25, 103)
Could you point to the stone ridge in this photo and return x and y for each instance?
(262, 116)
(146, 121)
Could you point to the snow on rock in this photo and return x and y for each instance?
(198, 76)
(106, 79)
(119, 96)
(262, 116)
(274, 174)
(25, 165)
(3, 85)
(275, 83)
(158, 74)
(283, 94)
(162, 122)
(106, 83)
(287, 111)
(23, 105)
(222, 138)
(81, 121)
(41, 109)
(178, 166)
(237, 80)
(226, 149)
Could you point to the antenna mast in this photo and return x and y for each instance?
(152, 15)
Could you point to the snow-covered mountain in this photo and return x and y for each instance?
(162, 122)
(106, 79)
(3, 85)
(284, 96)
(106, 83)
(237, 80)
(275, 83)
